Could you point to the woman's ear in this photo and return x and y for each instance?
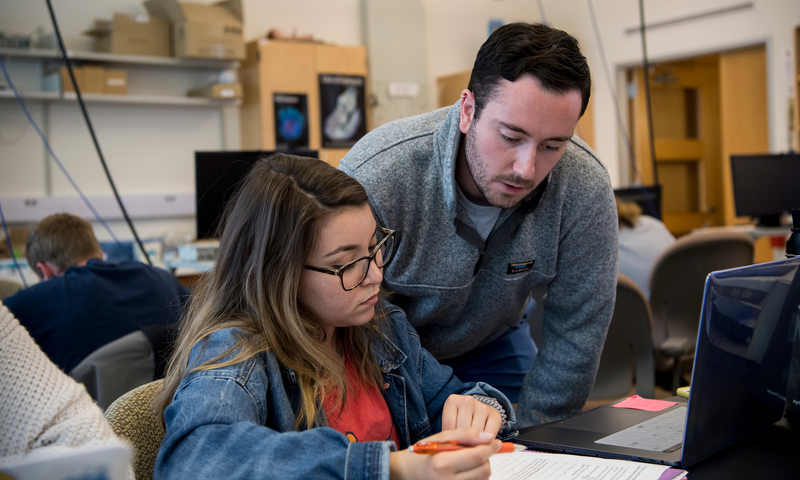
(467, 110)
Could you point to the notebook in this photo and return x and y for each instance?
(747, 331)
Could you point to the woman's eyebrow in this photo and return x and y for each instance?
(343, 248)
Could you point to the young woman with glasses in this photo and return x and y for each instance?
(290, 364)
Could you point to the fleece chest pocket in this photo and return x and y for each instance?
(516, 268)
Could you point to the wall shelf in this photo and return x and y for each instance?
(156, 107)
(153, 100)
(32, 95)
(148, 60)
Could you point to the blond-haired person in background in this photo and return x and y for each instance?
(642, 238)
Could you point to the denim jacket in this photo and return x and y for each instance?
(239, 421)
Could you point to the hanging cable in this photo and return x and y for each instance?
(91, 131)
(646, 68)
(17, 266)
(51, 152)
(653, 210)
(541, 12)
(610, 81)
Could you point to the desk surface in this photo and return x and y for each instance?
(769, 454)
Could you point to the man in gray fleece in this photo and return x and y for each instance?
(492, 198)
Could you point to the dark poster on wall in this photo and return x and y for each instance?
(291, 121)
(342, 110)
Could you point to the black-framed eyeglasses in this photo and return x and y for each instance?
(353, 273)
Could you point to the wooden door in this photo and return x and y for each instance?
(704, 110)
(685, 106)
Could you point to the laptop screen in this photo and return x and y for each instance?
(743, 356)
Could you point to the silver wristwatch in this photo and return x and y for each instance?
(492, 402)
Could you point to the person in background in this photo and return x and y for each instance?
(642, 239)
(495, 199)
(290, 365)
(42, 411)
(82, 302)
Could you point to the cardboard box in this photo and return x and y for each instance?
(132, 35)
(90, 78)
(116, 82)
(203, 31)
(222, 90)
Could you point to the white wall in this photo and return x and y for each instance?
(457, 29)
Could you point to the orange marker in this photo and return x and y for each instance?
(427, 448)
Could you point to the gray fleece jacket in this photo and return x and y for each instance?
(460, 292)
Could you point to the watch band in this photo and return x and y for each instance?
(492, 402)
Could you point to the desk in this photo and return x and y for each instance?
(769, 454)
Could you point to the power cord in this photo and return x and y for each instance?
(92, 133)
(541, 12)
(646, 68)
(653, 210)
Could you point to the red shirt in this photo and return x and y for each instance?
(365, 417)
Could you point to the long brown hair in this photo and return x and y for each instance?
(270, 228)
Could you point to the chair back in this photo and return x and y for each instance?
(677, 286)
(8, 288)
(134, 417)
(116, 368)
(628, 356)
(677, 283)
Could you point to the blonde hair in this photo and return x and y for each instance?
(270, 228)
(63, 240)
(628, 213)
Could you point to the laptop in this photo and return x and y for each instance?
(747, 332)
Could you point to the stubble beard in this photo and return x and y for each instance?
(477, 168)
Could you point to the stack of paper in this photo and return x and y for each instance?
(526, 464)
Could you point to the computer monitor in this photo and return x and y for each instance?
(648, 197)
(216, 176)
(765, 186)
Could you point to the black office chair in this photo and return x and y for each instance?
(677, 285)
(128, 362)
(8, 288)
(628, 357)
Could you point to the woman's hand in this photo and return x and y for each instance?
(468, 463)
(462, 411)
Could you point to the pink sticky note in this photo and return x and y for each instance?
(638, 403)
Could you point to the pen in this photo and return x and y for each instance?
(427, 448)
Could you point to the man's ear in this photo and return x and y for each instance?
(467, 110)
(47, 270)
